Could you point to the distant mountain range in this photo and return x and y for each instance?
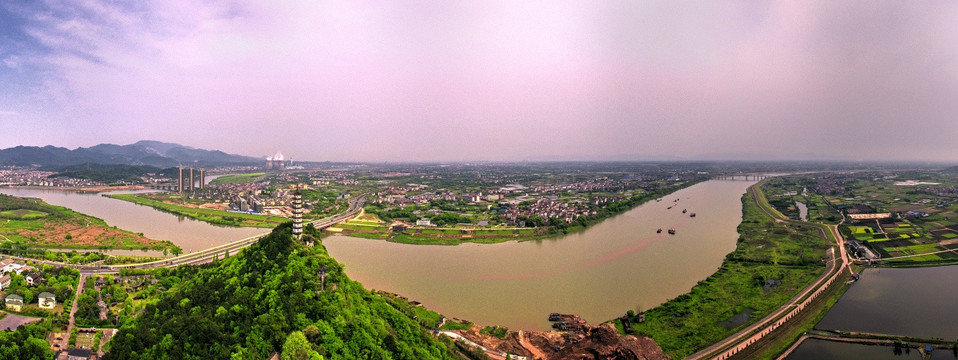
(146, 152)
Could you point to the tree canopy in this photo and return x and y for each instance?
(267, 298)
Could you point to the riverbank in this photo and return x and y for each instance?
(493, 235)
(778, 343)
(623, 258)
(581, 341)
(210, 216)
(771, 263)
(34, 224)
(88, 189)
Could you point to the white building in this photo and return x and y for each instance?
(47, 300)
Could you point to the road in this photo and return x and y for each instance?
(206, 255)
(355, 206)
(739, 341)
(202, 256)
(73, 310)
(13, 321)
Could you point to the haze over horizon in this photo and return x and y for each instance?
(490, 80)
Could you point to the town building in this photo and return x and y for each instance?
(47, 300)
(76, 354)
(33, 278)
(14, 302)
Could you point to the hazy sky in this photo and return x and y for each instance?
(490, 80)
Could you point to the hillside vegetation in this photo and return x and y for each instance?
(112, 173)
(268, 298)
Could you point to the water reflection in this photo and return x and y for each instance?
(913, 302)
(191, 235)
(616, 265)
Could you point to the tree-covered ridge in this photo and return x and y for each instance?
(111, 173)
(245, 307)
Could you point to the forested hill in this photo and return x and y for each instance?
(268, 297)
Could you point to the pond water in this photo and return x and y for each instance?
(599, 273)
(191, 235)
(914, 302)
(814, 349)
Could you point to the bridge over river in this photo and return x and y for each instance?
(206, 255)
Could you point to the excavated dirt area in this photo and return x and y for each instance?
(54, 233)
(584, 342)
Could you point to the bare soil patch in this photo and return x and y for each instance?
(54, 233)
(586, 342)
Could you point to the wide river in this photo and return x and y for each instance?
(616, 265)
(191, 235)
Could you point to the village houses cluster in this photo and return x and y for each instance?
(31, 276)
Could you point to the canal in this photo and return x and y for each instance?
(599, 273)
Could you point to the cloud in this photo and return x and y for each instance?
(495, 79)
(12, 61)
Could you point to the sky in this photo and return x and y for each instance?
(487, 80)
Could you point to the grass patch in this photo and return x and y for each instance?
(495, 331)
(373, 236)
(774, 345)
(914, 249)
(766, 250)
(238, 179)
(211, 216)
(921, 258)
(418, 240)
(495, 232)
(22, 214)
(353, 226)
(456, 325)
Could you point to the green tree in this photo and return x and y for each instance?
(297, 348)
(27, 296)
(251, 304)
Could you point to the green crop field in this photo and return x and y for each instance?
(914, 249)
(238, 179)
(22, 214)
